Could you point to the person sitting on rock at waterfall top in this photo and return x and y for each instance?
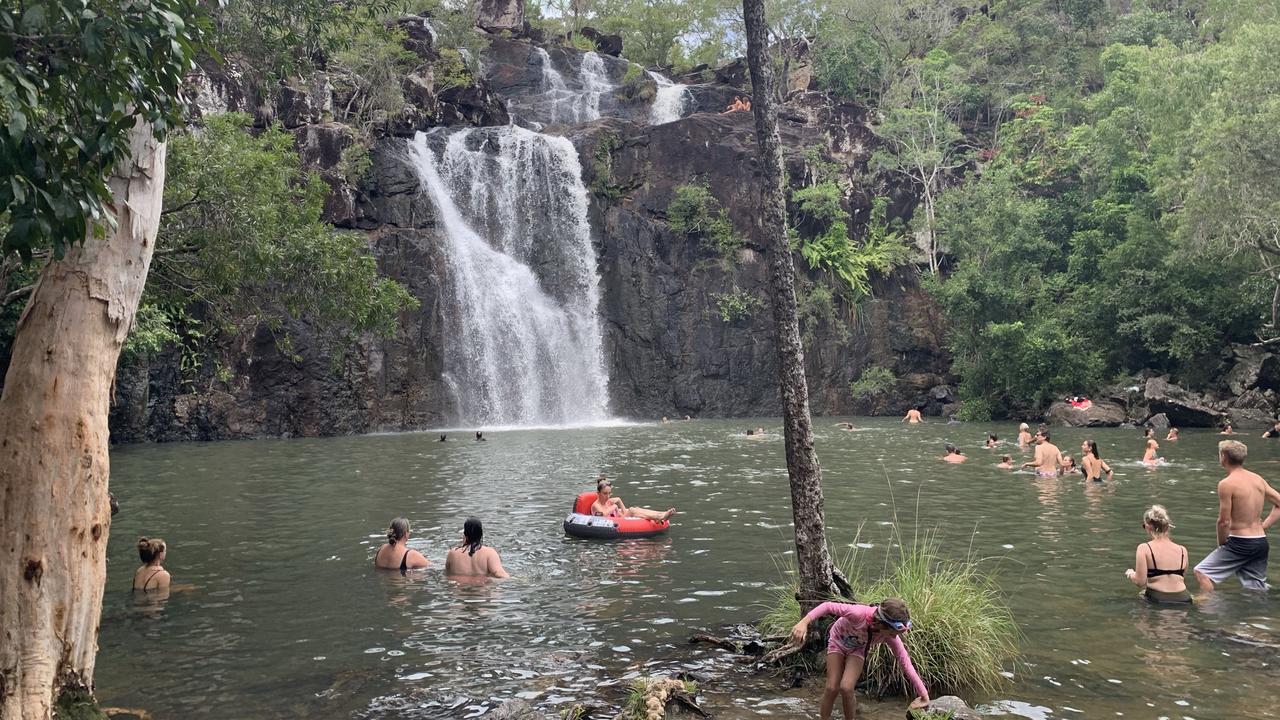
(1048, 457)
(735, 106)
(397, 554)
(1160, 564)
(472, 557)
(1024, 435)
(151, 575)
(1242, 533)
(912, 416)
(1093, 463)
(608, 506)
(1006, 462)
(859, 628)
(1172, 434)
(953, 454)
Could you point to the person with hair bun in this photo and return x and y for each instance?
(396, 554)
(857, 629)
(1160, 564)
(472, 557)
(151, 575)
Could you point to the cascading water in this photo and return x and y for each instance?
(595, 82)
(670, 101)
(522, 333)
(556, 102)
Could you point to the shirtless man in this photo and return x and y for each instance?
(608, 506)
(472, 558)
(953, 455)
(1048, 457)
(913, 417)
(1242, 538)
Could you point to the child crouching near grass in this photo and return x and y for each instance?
(857, 629)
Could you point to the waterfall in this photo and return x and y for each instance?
(522, 333)
(595, 82)
(556, 102)
(669, 102)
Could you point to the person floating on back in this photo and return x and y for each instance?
(472, 557)
(1160, 564)
(608, 506)
(858, 629)
(151, 575)
(1242, 533)
(396, 554)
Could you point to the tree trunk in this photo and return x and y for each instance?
(53, 444)
(817, 574)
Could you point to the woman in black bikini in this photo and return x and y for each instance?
(1160, 564)
(1091, 463)
(151, 575)
(396, 554)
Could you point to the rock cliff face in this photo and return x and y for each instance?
(666, 347)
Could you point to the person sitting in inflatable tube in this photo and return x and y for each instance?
(608, 506)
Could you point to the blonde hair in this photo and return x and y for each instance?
(1234, 451)
(1157, 519)
(1024, 426)
(150, 548)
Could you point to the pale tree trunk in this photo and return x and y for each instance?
(818, 578)
(53, 444)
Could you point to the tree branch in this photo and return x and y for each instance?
(195, 199)
(17, 294)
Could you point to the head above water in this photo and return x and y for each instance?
(149, 549)
(472, 534)
(1231, 453)
(602, 482)
(1043, 434)
(1156, 519)
(952, 449)
(1024, 427)
(992, 437)
(1091, 447)
(1006, 458)
(397, 530)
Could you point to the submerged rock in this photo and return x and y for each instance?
(947, 706)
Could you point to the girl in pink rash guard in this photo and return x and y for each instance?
(858, 628)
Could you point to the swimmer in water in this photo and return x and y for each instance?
(1149, 457)
(1093, 463)
(151, 575)
(443, 437)
(472, 557)
(1173, 434)
(1047, 457)
(608, 506)
(858, 629)
(912, 417)
(1024, 435)
(1159, 565)
(992, 440)
(1006, 462)
(1227, 430)
(396, 554)
(480, 437)
(1273, 432)
(847, 426)
(1068, 465)
(954, 455)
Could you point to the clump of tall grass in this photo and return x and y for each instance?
(963, 634)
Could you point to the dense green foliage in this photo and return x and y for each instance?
(243, 239)
(737, 304)
(962, 633)
(695, 211)
(873, 381)
(75, 77)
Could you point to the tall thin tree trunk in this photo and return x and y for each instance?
(54, 516)
(817, 574)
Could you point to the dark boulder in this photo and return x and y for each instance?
(1246, 418)
(420, 36)
(496, 16)
(1159, 421)
(1184, 408)
(1102, 413)
(1253, 367)
(605, 43)
(472, 105)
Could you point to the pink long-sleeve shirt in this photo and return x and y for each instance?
(849, 636)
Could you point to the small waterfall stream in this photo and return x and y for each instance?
(670, 101)
(522, 331)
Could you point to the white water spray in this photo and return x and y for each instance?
(522, 333)
(670, 101)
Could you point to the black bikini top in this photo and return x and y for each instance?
(1155, 572)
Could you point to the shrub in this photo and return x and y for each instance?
(736, 304)
(695, 211)
(873, 381)
(962, 635)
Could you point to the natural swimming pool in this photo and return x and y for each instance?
(288, 618)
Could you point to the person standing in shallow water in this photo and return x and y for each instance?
(1242, 533)
(857, 629)
(397, 554)
(151, 575)
(472, 557)
(1160, 564)
(1047, 458)
(913, 417)
(1093, 463)
(1024, 435)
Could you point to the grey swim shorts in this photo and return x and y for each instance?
(1244, 557)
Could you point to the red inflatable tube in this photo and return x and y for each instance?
(581, 523)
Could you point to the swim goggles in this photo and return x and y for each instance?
(898, 625)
